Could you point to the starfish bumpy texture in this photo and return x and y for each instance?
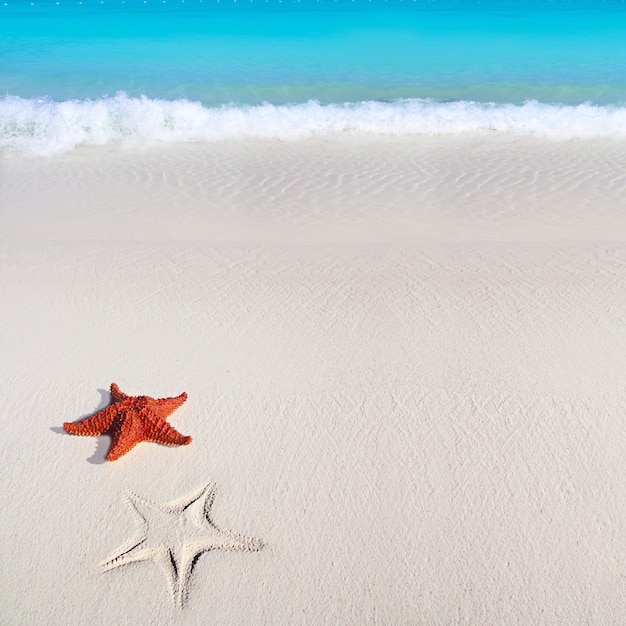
(174, 535)
(130, 420)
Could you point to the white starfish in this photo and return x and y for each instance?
(174, 535)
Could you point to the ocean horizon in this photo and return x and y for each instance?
(135, 72)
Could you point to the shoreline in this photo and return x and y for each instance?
(353, 188)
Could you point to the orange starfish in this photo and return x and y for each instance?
(130, 420)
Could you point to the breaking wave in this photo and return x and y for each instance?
(42, 127)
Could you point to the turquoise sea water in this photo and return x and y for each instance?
(78, 72)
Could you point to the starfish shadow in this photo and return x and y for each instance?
(101, 451)
(103, 442)
(105, 400)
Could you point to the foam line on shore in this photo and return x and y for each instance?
(42, 126)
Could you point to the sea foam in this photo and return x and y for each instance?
(42, 127)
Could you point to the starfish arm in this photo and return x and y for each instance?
(168, 405)
(225, 540)
(127, 554)
(95, 425)
(199, 511)
(188, 559)
(165, 559)
(165, 433)
(161, 555)
(193, 549)
(123, 441)
(117, 395)
(198, 504)
(130, 547)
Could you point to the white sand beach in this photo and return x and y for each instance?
(405, 361)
